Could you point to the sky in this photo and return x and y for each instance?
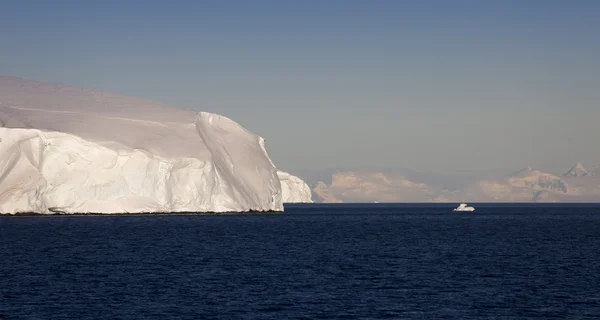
(452, 87)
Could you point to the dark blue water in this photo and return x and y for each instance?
(311, 262)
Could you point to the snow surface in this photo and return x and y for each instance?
(576, 171)
(73, 150)
(293, 189)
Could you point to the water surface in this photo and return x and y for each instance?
(375, 261)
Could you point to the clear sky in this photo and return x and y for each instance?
(442, 86)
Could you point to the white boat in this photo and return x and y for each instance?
(463, 207)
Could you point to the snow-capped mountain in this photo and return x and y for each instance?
(525, 185)
(576, 171)
(368, 186)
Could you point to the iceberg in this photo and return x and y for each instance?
(294, 189)
(73, 150)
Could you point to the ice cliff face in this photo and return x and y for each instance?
(293, 189)
(66, 149)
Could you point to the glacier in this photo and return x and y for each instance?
(73, 150)
(294, 189)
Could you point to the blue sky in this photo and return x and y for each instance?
(444, 86)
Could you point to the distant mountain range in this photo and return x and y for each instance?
(576, 184)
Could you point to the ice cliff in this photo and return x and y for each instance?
(293, 189)
(73, 150)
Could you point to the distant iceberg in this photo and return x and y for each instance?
(293, 189)
(73, 150)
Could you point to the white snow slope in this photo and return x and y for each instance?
(293, 189)
(73, 150)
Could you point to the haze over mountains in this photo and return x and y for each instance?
(576, 184)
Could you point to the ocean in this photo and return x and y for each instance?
(314, 261)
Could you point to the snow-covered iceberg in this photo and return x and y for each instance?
(294, 189)
(73, 150)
